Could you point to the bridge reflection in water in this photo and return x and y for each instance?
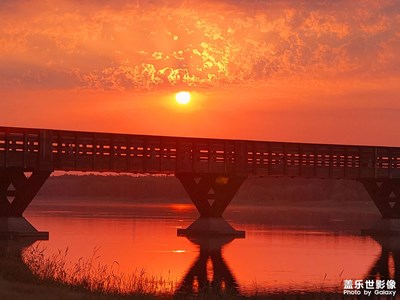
(16, 246)
(209, 273)
(387, 265)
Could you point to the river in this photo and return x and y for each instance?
(305, 250)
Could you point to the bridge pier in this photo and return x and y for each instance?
(17, 190)
(211, 194)
(386, 195)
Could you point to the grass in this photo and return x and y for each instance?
(18, 282)
(90, 275)
(32, 275)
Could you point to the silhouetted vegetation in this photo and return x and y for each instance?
(89, 274)
(18, 282)
(35, 276)
(119, 186)
(164, 188)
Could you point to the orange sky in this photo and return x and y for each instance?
(313, 71)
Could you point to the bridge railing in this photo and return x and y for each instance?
(142, 154)
(26, 148)
(311, 160)
(84, 151)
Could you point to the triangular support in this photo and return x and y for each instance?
(18, 189)
(211, 194)
(386, 195)
(202, 188)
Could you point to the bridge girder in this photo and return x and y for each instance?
(17, 189)
(386, 195)
(210, 193)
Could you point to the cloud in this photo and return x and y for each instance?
(148, 45)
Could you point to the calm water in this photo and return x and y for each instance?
(272, 258)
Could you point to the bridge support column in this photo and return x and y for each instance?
(17, 190)
(386, 195)
(211, 194)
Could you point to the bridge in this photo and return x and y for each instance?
(211, 170)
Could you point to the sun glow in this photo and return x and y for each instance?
(183, 98)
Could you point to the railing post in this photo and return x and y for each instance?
(45, 149)
(241, 167)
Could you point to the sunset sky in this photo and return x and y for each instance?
(310, 71)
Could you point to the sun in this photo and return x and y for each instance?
(182, 97)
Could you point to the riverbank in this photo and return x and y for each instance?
(17, 282)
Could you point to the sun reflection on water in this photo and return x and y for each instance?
(179, 251)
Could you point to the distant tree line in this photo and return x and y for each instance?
(165, 188)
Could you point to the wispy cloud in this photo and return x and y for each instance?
(146, 45)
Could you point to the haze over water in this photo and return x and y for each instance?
(271, 259)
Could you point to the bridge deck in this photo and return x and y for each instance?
(33, 149)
